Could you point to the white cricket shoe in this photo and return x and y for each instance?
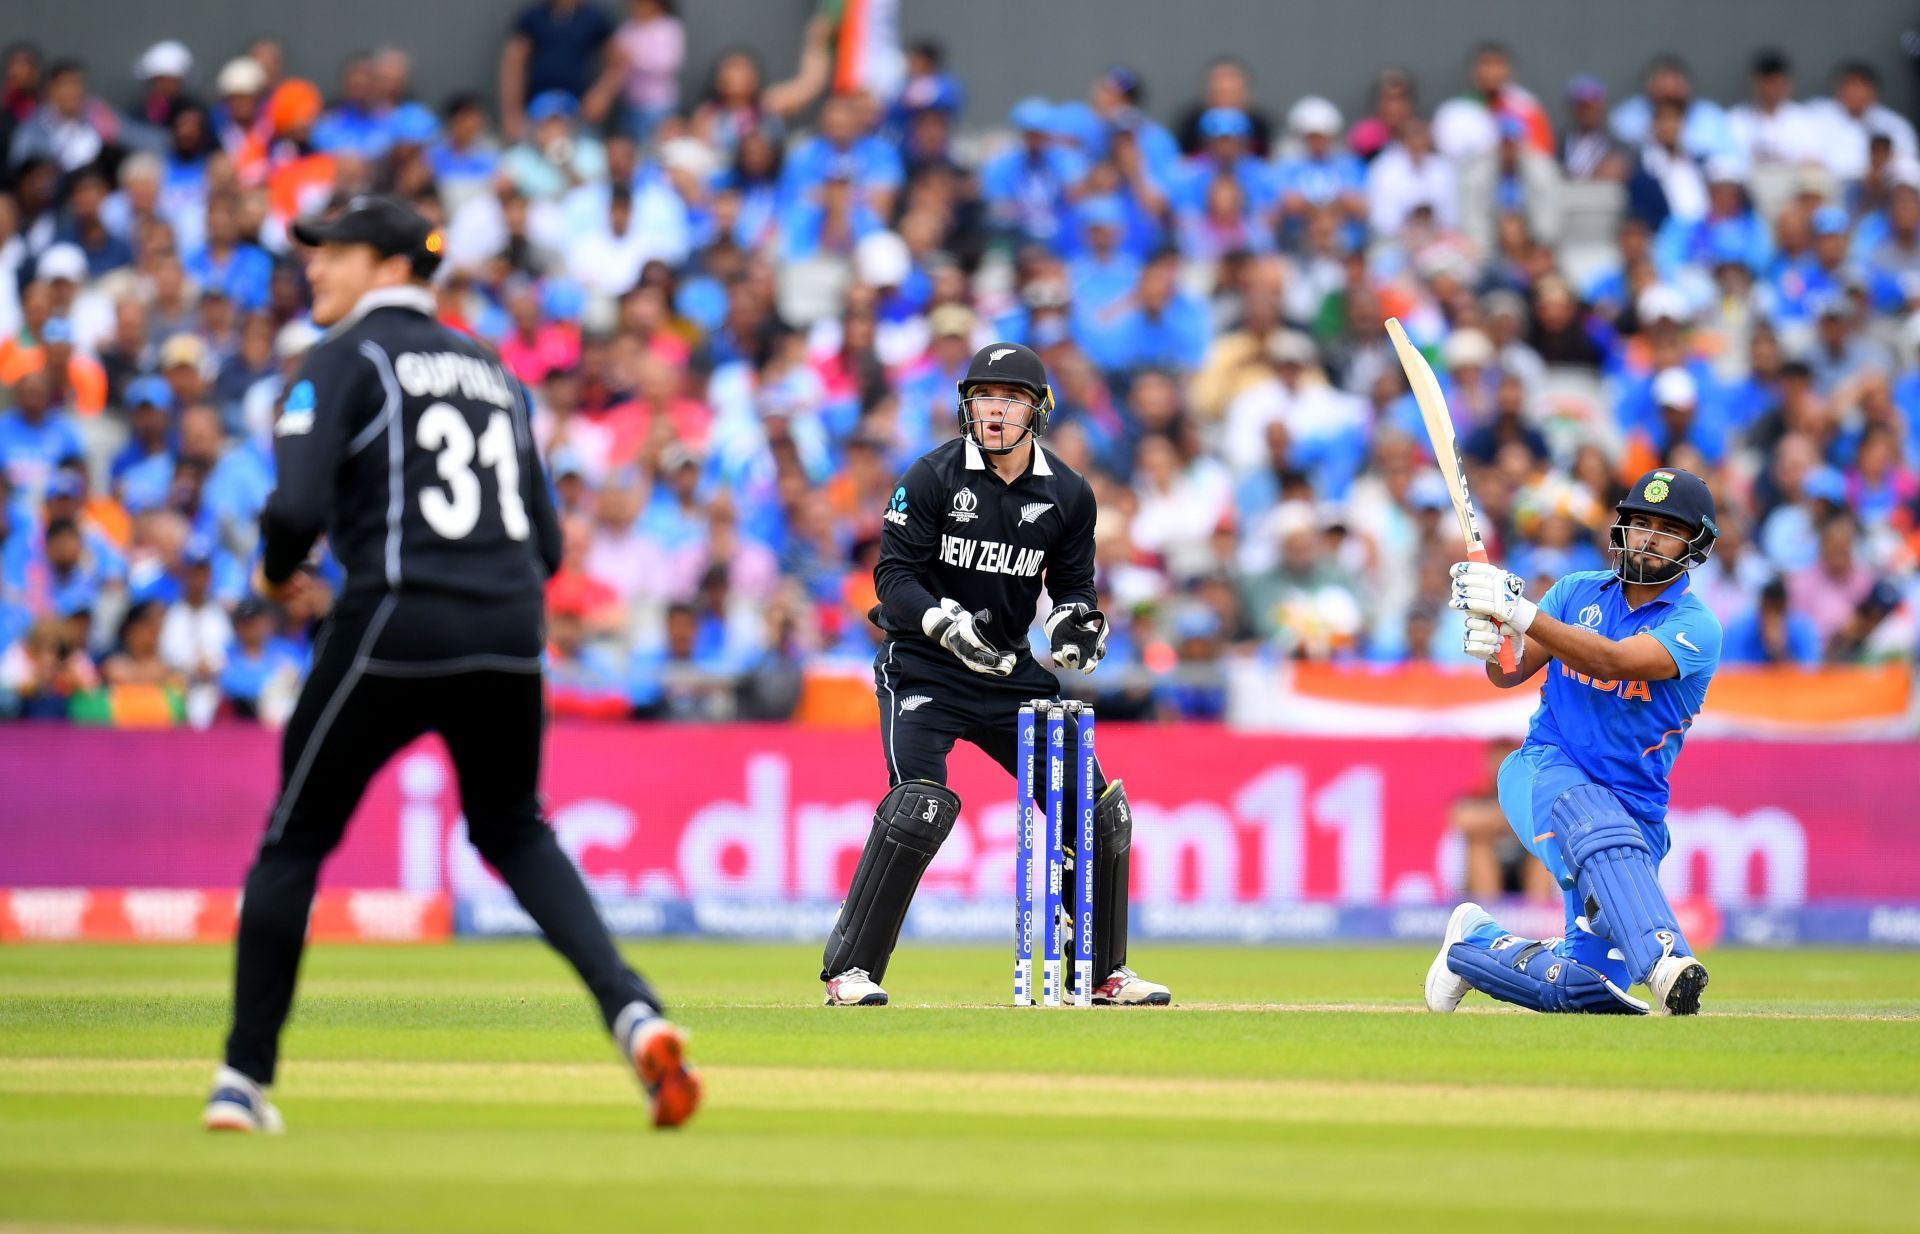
(1676, 983)
(1126, 988)
(1445, 988)
(239, 1104)
(854, 988)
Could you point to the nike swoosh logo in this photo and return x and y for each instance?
(1684, 641)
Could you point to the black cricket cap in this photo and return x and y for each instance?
(391, 227)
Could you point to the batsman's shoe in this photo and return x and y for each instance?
(1445, 988)
(239, 1104)
(854, 988)
(658, 1050)
(1677, 982)
(1126, 988)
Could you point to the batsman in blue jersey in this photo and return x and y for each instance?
(1628, 655)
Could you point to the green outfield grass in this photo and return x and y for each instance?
(468, 1088)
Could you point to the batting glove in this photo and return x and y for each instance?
(1078, 636)
(954, 628)
(1483, 638)
(1489, 591)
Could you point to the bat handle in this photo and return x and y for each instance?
(1477, 553)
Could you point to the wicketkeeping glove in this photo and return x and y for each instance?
(1485, 589)
(1078, 635)
(954, 628)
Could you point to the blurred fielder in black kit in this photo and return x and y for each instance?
(973, 530)
(409, 446)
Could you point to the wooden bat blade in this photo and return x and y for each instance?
(1439, 424)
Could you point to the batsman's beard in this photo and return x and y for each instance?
(1643, 565)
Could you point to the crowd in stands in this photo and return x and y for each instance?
(741, 312)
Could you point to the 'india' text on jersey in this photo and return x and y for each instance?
(1627, 734)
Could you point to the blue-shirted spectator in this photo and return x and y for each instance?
(1772, 633)
(67, 499)
(17, 557)
(929, 87)
(241, 270)
(413, 130)
(150, 405)
(840, 148)
(357, 124)
(672, 518)
(1228, 135)
(1757, 391)
(251, 362)
(35, 438)
(82, 225)
(1113, 107)
(559, 155)
(1704, 129)
(831, 225)
(75, 578)
(464, 157)
(1799, 282)
(1104, 273)
(1321, 173)
(256, 658)
(1840, 354)
(754, 179)
(1730, 230)
(236, 489)
(1681, 411)
(1159, 327)
(686, 677)
(1027, 188)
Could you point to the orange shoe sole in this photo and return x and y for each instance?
(674, 1086)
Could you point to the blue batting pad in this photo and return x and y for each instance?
(1613, 867)
(1529, 974)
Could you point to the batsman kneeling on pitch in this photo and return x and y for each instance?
(1628, 654)
(973, 531)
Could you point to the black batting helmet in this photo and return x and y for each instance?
(1669, 493)
(1007, 364)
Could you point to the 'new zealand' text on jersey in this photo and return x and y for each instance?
(1626, 734)
(955, 530)
(409, 446)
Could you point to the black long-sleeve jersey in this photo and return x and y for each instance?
(955, 530)
(410, 447)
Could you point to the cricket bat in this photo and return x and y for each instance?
(1433, 413)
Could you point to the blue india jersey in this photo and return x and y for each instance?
(1625, 735)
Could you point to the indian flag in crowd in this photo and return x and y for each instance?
(867, 53)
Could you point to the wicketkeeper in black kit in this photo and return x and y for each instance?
(973, 530)
(409, 446)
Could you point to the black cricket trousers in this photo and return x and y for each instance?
(389, 668)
